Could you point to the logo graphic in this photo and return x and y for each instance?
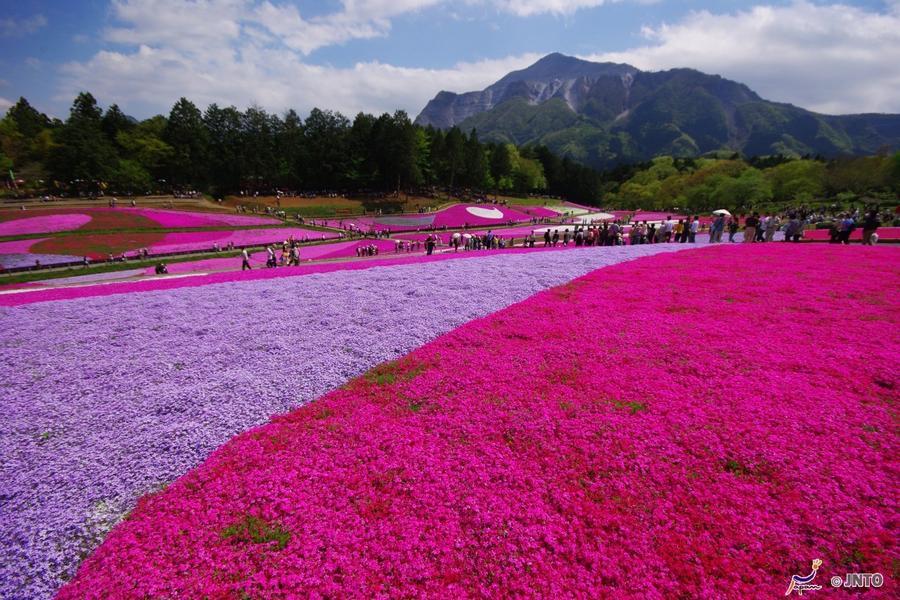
(803, 583)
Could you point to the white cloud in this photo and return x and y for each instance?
(245, 52)
(528, 8)
(829, 58)
(5, 104)
(21, 27)
(153, 79)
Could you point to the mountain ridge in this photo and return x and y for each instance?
(607, 113)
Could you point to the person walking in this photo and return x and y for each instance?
(772, 225)
(846, 228)
(668, 226)
(750, 226)
(245, 260)
(870, 226)
(715, 232)
(732, 228)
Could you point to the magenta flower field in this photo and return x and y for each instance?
(66, 219)
(43, 224)
(456, 216)
(191, 241)
(706, 440)
(180, 218)
(87, 431)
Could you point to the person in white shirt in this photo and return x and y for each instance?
(245, 260)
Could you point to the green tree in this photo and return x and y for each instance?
(29, 121)
(501, 167)
(130, 177)
(259, 150)
(143, 145)
(83, 157)
(453, 155)
(795, 179)
(326, 138)
(475, 164)
(224, 165)
(290, 151)
(114, 122)
(187, 136)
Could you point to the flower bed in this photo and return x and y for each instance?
(101, 245)
(190, 241)
(48, 220)
(179, 218)
(131, 391)
(18, 253)
(517, 456)
(98, 245)
(507, 457)
(536, 211)
(456, 216)
(258, 259)
(101, 219)
(43, 224)
(19, 260)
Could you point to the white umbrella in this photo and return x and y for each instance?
(722, 211)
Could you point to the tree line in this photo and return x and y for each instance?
(699, 185)
(224, 150)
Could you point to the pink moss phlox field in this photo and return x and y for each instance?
(19, 246)
(178, 218)
(258, 259)
(458, 215)
(131, 392)
(655, 429)
(44, 224)
(188, 241)
(17, 253)
(186, 278)
(538, 211)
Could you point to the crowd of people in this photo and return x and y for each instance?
(368, 250)
(843, 226)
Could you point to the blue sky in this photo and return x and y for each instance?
(379, 55)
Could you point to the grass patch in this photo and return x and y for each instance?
(631, 406)
(396, 370)
(257, 531)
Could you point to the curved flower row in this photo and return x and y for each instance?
(650, 430)
(49, 220)
(43, 224)
(455, 216)
(108, 398)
